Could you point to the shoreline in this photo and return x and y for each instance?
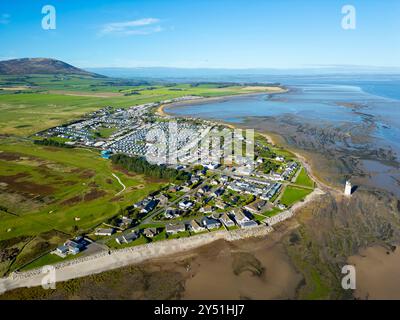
(269, 136)
(105, 261)
(203, 100)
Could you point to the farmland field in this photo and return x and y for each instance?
(49, 101)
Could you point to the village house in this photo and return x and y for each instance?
(174, 189)
(162, 198)
(226, 220)
(214, 182)
(257, 206)
(124, 222)
(104, 232)
(62, 251)
(150, 232)
(185, 188)
(195, 180)
(172, 213)
(210, 223)
(219, 192)
(221, 205)
(244, 170)
(195, 226)
(127, 238)
(290, 169)
(271, 191)
(204, 189)
(207, 209)
(185, 204)
(239, 216)
(175, 228)
(211, 166)
(71, 247)
(249, 224)
(281, 206)
(150, 206)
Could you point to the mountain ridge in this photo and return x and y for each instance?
(26, 66)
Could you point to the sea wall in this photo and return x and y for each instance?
(138, 254)
(105, 261)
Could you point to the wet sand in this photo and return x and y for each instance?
(377, 273)
(248, 269)
(215, 278)
(204, 100)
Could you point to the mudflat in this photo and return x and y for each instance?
(378, 273)
(241, 273)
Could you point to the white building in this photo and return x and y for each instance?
(347, 189)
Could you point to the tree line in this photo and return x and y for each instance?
(141, 166)
(52, 143)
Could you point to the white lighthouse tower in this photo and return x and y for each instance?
(347, 188)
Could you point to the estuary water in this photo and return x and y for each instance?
(362, 114)
(317, 102)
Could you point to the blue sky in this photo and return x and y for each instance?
(203, 33)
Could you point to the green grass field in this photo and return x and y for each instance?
(272, 212)
(304, 180)
(293, 194)
(46, 188)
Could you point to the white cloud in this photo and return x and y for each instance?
(5, 18)
(135, 27)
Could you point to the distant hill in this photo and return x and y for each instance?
(40, 66)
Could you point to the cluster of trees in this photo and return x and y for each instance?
(52, 143)
(266, 152)
(269, 166)
(142, 166)
(132, 93)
